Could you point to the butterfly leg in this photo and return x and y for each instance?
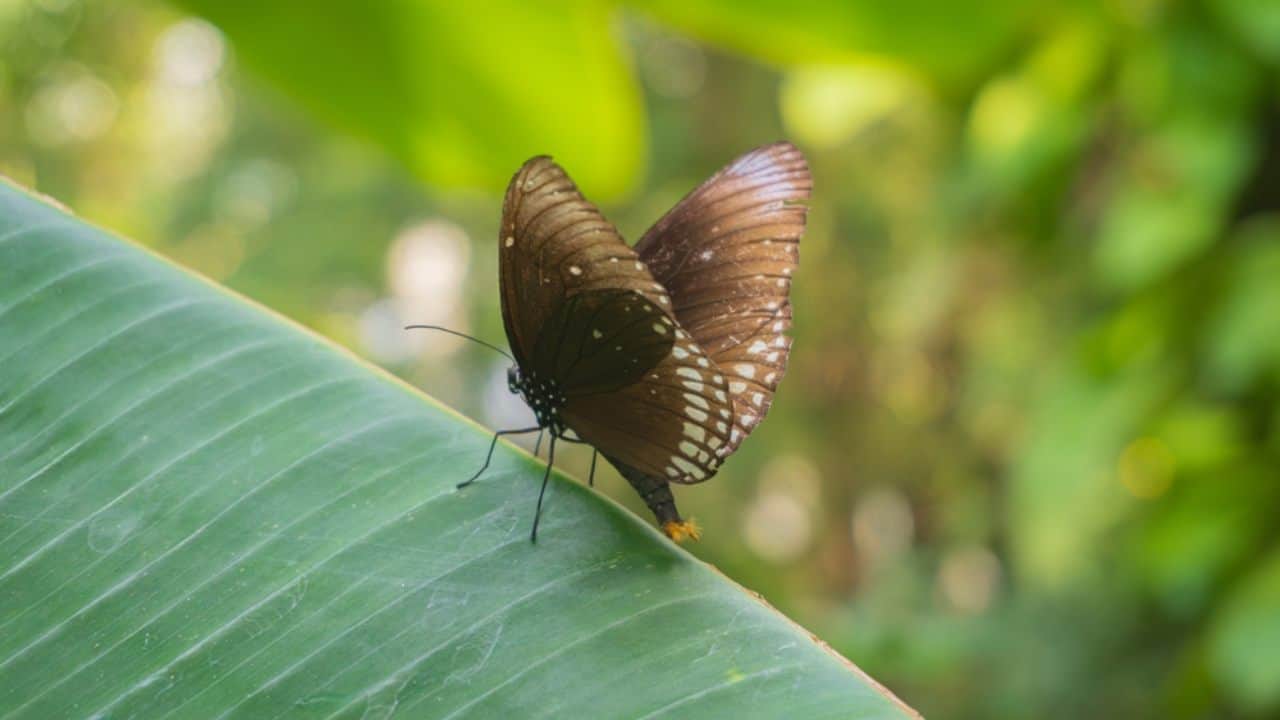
(489, 457)
(537, 444)
(546, 477)
(591, 478)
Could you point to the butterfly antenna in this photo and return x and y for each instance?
(461, 335)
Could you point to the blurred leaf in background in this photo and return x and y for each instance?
(460, 92)
(1029, 442)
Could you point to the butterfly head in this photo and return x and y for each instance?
(542, 396)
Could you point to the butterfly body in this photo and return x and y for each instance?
(663, 357)
(543, 397)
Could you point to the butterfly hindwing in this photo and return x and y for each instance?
(726, 254)
(673, 423)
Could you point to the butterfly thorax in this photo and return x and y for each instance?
(543, 396)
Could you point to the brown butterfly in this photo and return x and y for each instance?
(666, 356)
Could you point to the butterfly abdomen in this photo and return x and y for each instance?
(656, 493)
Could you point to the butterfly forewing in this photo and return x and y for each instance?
(555, 244)
(726, 254)
(584, 315)
(603, 340)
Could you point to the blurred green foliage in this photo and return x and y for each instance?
(462, 103)
(1026, 459)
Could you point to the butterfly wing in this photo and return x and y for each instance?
(726, 254)
(580, 308)
(553, 245)
(672, 423)
(602, 340)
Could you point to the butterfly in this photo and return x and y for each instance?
(665, 356)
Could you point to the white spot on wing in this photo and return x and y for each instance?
(746, 370)
(697, 400)
(575, 270)
(737, 386)
(679, 352)
(695, 432)
(693, 470)
(688, 372)
(695, 413)
(510, 241)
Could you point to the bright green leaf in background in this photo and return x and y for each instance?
(919, 33)
(460, 93)
(204, 510)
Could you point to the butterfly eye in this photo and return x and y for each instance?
(513, 379)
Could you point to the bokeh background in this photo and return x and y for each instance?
(1026, 462)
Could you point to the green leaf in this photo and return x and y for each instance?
(459, 96)
(206, 511)
(952, 41)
